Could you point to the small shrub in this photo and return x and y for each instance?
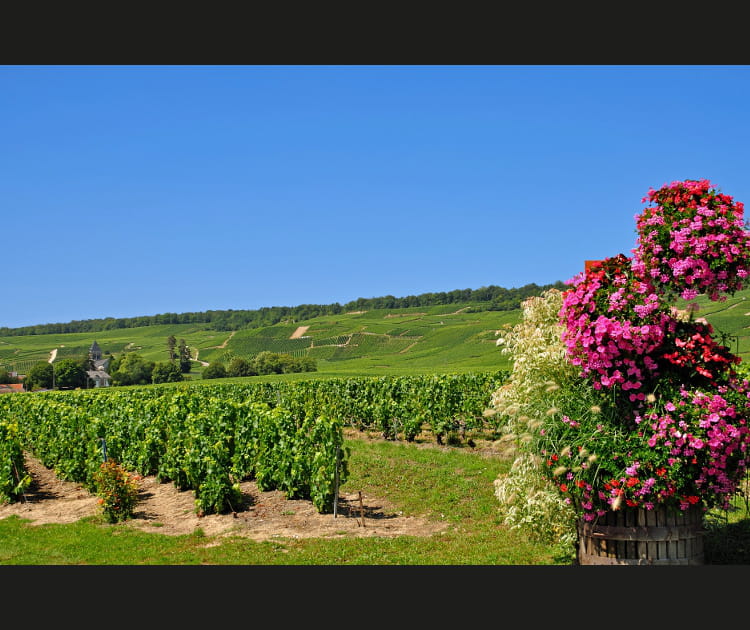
(215, 370)
(117, 490)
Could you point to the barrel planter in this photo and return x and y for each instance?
(662, 536)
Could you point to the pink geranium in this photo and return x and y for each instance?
(692, 240)
(613, 324)
(679, 432)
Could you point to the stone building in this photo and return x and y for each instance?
(98, 375)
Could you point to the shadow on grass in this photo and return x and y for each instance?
(727, 543)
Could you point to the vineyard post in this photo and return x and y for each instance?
(336, 484)
(104, 449)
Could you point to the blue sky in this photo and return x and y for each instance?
(137, 190)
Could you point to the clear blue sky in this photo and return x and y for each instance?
(137, 190)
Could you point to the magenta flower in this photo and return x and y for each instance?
(681, 408)
(692, 240)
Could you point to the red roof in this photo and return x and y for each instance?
(10, 387)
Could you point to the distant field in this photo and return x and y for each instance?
(450, 338)
(388, 341)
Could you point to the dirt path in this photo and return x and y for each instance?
(203, 363)
(226, 341)
(299, 332)
(409, 347)
(262, 516)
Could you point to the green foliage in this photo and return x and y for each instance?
(280, 363)
(208, 437)
(183, 353)
(117, 491)
(240, 367)
(69, 374)
(329, 465)
(171, 345)
(247, 343)
(133, 369)
(6, 378)
(268, 363)
(425, 339)
(39, 376)
(14, 479)
(215, 370)
(166, 372)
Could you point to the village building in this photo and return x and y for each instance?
(98, 374)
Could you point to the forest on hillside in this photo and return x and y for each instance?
(492, 298)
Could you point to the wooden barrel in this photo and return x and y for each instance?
(661, 536)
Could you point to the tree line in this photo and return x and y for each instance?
(492, 298)
(264, 362)
(127, 369)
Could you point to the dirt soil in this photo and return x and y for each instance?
(262, 516)
(301, 330)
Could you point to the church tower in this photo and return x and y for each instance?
(95, 352)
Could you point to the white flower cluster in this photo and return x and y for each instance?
(529, 502)
(539, 364)
(537, 352)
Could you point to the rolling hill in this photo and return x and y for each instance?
(455, 337)
(442, 338)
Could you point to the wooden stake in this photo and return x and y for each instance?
(336, 485)
(361, 509)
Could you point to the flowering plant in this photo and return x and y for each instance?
(693, 240)
(614, 321)
(117, 490)
(658, 412)
(683, 450)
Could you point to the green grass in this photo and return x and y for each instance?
(731, 318)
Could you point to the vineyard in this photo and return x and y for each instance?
(208, 438)
(347, 344)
